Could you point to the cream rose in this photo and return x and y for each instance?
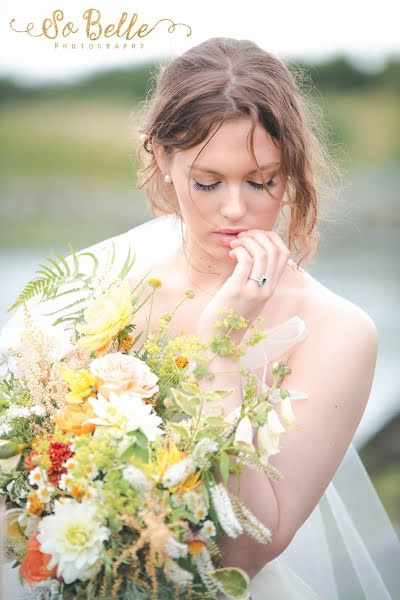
(119, 373)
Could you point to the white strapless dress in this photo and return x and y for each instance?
(347, 549)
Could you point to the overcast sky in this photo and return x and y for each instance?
(366, 31)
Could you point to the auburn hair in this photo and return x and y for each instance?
(224, 78)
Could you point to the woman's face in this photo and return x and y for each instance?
(232, 196)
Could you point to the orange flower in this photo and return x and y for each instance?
(77, 492)
(195, 545)
(34, 566)
(126, 343)
(71, 418)
(181, 361)
(34, 505)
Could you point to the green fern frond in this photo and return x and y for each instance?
(33, 288)
(57, 267)
(95, 261)
(72, 317)
(128, 264)
(48, 281)
(63, 308)
(74, 257)
(47, 272)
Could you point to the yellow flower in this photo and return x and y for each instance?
(190, 483)
(80, 383)
(154, 282)
(106, 318)
(168, 457)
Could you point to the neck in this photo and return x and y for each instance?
(203, 272)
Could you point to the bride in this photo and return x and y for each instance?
(227, 146)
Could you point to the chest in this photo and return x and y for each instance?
(184, 322)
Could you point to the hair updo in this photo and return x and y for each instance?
(224, 78)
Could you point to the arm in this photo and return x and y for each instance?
(335, 366)
(256, 490)
(338, 381)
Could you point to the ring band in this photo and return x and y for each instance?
(261, 280)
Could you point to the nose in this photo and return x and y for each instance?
(234, 207)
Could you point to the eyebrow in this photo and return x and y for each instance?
(207, 170)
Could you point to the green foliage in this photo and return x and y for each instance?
(224, 467)
(49, 282)
(233, 581)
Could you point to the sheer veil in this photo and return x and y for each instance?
(347, 549)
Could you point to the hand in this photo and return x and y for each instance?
(258, 253)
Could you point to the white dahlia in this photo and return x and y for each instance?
(127, 412)
(73, 536)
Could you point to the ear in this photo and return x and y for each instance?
(161, 158)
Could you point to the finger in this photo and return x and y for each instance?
(265, 256)
(284, 252)
(273, 236)
(243, 268)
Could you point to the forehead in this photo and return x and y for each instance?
(229, 148)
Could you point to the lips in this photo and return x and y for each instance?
(231, 231)
(224, 238)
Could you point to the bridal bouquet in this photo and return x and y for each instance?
(114, 462)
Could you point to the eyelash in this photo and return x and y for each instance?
(210, 188)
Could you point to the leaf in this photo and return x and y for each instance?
(214, 421)
(18, 490)
(217, 395)
(234, 582)
(128, 264)
(180, 429)
(189, 404)
(182, 512)
(95, 261)
(9, 449)
(48, 280)
(141, 439)
(191, 388)
(224, 467)
(74, 257)
(5, 478)
(137, 451)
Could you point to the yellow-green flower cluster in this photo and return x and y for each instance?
(166, 367)
(99, 450)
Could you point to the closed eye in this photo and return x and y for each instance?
(208, 188)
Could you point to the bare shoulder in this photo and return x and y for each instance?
(328, 313)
